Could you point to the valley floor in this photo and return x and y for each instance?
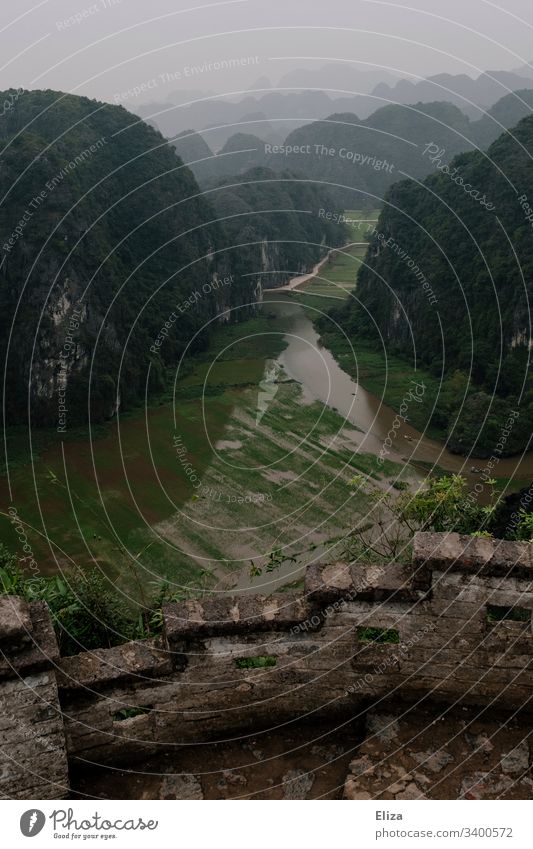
(201, 488)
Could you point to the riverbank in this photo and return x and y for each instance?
(199, 488)
(388, 377)
(246, 464)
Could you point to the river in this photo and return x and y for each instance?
(315, 368)
(124, 498)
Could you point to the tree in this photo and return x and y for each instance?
(439, 504)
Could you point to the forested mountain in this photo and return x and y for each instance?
(472, 95)
(368, 156)
(194, 151)
(275, 220)
(289, 109)
(393, 139)
(240, 153)
(103, 234)
(321, 92)
(447, 283)
(112, 260)
(506, 113)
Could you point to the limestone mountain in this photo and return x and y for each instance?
(472, 95)
(104, 236)
(113, 261)
(447, 284)
(194, 151)
(273, 222)
(360, 159)
(506, 113)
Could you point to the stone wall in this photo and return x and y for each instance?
(455, 627)
(33, 756)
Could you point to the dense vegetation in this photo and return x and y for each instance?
(193, 150)
(105, 238)
(392, 134)
(120, 233)
(274, 220)
(391, 140)
(506, 113)
(88, 611)
(447, 284)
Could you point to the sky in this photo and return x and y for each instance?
(104, 49)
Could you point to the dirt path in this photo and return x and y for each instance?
(303, 278)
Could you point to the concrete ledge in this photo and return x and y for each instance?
(226, 664)
(456, 553)
(15, 621)
(94, 670)
(232, 615)
(38, 650)
(326, 583)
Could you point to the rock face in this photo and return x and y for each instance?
(33, 756)
(112, 260)
(441, 287)
(297, 784)
(277, 222)
(180, 787)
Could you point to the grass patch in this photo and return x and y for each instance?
(260, 662)
(378, 635)
(129, 713)
(400, 485)
(496, 613)
(87, 498)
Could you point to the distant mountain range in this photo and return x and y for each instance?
(273, 111)
(358, 159)
(473, 96)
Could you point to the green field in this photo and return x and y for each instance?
(338, 277)
(123, 501)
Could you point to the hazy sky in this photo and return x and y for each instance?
(104, 47)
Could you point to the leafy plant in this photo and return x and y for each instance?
(87, 611)
(496, 613)
(378, 635)
(524, 529)
(275, 559)
(439, 504)
(129, 713)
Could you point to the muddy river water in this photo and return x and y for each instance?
(312, 365)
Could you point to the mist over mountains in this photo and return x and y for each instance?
(302, 95)
(359, 159)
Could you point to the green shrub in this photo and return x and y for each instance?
(129, 713)
(496, 613)
(259, 662)
(378, 635)
(87, 611)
